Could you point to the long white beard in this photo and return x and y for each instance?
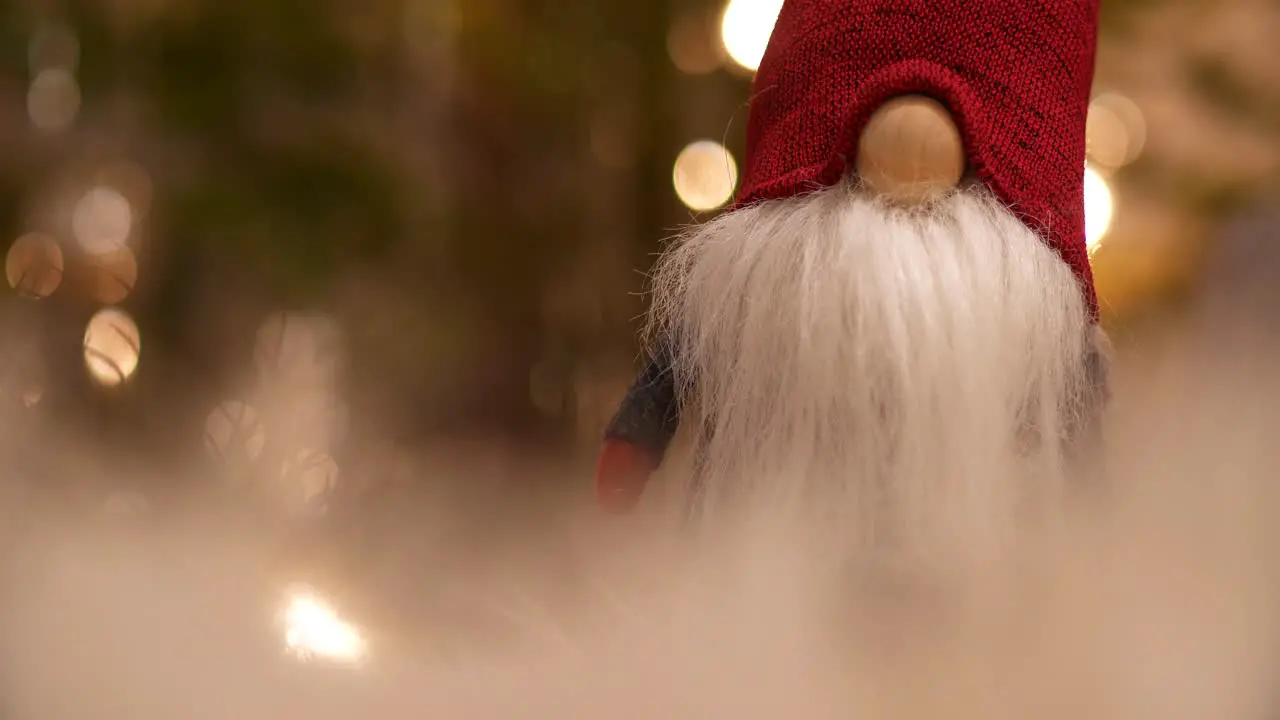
(895, 379)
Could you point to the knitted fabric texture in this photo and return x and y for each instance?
(1016, 74)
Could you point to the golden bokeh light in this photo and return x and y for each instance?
(705, 175)
(314, 629)
(745, 28)
(1107, 138)
(34, 265)
(234, 428)
(689, 44)
(1116, 131)
(53, 100)
(1099, 208)
(111, 276)
(112, 345)
(102, 220)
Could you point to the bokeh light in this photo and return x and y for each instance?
(34, 265)
(102, 220)
(745, 28)
(234, 428)
(690, 46)
(705, 175)
(314, 629)
(1099, 208)
(1117, 131)
(112, 275)
(53, 100)
(112, 345)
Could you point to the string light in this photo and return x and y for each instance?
(705, 175)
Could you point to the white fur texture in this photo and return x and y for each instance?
(901, 379)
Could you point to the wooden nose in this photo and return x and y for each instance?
(910, 151)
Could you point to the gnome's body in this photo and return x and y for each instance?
(894, 328)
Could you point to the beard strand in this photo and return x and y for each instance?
(900, 379)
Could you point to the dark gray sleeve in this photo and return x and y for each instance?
(650, 413)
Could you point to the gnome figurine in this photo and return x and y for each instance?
(895, 324)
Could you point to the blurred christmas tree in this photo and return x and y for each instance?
(471, 187)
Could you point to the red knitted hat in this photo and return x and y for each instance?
(1016, 74)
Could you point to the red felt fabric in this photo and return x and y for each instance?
(1015, 73)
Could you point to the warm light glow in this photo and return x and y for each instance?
(690, 45)
(1099, 207)
(33, 266)
(1107, 138)
(112, 275)
(705, 175)
(234, 426)
(313, 629)
(102, 220)
(53, 100)
(1117, 131)
(310, 478)
(745, 29)
(111, 347)
(301, 347)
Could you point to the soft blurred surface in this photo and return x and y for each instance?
(341, 293)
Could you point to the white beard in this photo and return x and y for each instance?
(895, 379)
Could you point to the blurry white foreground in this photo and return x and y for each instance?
(1162, 605)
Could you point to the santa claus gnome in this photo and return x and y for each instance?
(895, 324)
